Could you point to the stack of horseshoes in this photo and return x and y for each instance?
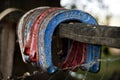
(35, 34)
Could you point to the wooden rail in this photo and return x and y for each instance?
(93, 34)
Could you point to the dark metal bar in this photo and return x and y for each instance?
(93, 34)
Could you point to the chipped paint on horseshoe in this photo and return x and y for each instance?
(20, 31)
(28, 32)
(38, 22)
(41, 47)
(30, 41)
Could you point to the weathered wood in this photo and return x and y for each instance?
(8, 42)
(7, 49)
(93, 34)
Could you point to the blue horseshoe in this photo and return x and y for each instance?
(93, 51)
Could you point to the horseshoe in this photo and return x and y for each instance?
(46, 34)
